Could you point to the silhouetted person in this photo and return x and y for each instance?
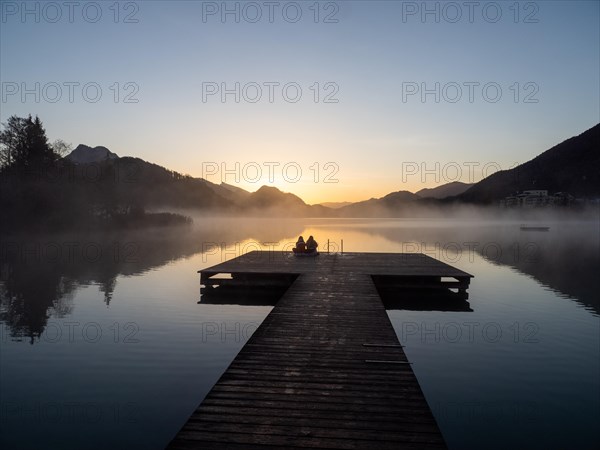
(300, 246)
(311, 245)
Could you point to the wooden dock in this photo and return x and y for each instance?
(325, 368)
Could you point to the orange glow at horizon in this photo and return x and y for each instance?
(316, 193)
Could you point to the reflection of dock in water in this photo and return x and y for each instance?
(325, 368)
(424, 300)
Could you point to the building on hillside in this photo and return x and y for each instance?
(537, 198)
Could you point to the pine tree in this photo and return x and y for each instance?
(23, 144)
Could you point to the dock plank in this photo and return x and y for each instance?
(306, 377)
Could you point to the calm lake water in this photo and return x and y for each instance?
(103, 343)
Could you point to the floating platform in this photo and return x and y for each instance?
(325, 369)
(534, 228)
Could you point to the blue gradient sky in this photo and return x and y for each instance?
(371, 50)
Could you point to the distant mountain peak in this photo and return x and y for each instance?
(272, 196)
(271, 189)
(400, 194)
(445, 190)
(334, 205)
(85, 154)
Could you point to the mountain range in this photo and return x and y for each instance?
(88, 155)
(572, 166)
(445, 190)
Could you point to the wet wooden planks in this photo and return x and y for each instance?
(396, 264)
(324, 370)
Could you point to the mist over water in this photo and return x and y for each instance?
(103, 333)
(164, 138)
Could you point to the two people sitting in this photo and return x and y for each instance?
(308, 247)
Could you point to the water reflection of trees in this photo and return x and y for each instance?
(39, 275)
(28, 297)
(565, 258)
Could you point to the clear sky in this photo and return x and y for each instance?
(514, 78)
